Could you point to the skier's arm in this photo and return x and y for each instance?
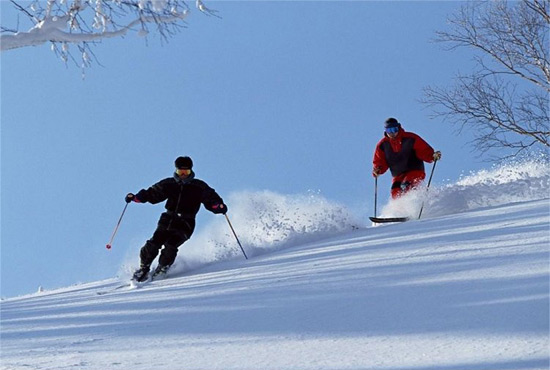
(423, 150)
(379, 163)
(212, 201)
(155, 194)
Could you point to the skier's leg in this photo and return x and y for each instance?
(396, 186)
(170, 251)
(180, 230)
(412, 180)
(148, 253)
(150, 250)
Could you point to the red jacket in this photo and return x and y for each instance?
(404, 153)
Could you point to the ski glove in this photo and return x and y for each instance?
(131, 198)
(376, 172)
(437, 156)
(219, 208)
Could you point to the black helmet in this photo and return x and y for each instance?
(184, 162)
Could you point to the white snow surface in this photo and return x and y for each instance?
(464, 288)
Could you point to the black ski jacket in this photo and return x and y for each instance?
(183, 197)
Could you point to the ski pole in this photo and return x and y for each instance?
(108, 246)
(427, 187)
(375, 194)
(238, 242)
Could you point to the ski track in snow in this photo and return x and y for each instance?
(466, 289)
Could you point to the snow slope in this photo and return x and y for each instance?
(462, 290)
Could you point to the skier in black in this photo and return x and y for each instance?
(183, 194)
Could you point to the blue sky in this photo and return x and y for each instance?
(284, 96)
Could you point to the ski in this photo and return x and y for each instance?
(118, 287)
(380, 220)
(134, 284)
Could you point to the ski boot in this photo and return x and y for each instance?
(141, 274)
(160, 272)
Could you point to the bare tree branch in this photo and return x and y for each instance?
(504, 102)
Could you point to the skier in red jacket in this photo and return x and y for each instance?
(404, 153)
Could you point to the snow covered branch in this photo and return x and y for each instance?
(52, 29)
(81, 22)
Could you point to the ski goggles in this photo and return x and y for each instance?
(392, 130)
(183, 171)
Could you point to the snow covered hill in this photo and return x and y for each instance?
(466, 289)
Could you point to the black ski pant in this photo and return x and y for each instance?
(171, 232)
